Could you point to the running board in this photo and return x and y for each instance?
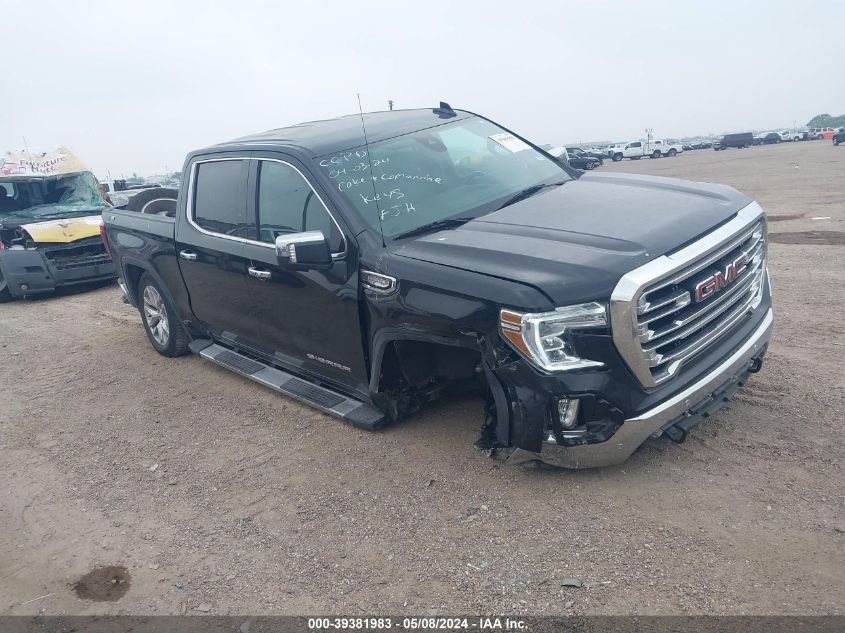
(355, 412)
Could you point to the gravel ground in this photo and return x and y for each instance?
(206, 493)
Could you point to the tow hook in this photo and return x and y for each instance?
(675, 433)
(756, 365)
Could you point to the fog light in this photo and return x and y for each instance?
(24, 286)
(567, 410)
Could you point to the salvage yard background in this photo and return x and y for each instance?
(217, 495)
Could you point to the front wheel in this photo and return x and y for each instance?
(161, 323)
(5, 293)
(590, 165)
(673, 152)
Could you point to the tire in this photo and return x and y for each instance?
(166, 334)
(655, 153)
(616, 158)
(590, 165)
(673, 152)
(5, 293)
(158, 201)
(835, 143)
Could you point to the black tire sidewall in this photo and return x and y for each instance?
(5, 292)
(139, 200)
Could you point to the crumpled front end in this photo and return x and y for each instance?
(49, 255)
(687, 329)
(674, 416)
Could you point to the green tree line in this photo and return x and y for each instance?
(825, 120)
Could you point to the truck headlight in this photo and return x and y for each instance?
(544, 337)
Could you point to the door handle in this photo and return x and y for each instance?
(263, 275)
(191, 256)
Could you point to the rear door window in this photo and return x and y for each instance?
(220, 198)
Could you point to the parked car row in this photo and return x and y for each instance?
(657, 148)
(576, 157)
(697, 144)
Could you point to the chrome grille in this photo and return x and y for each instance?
(660, 321)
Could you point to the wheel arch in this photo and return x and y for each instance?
(384, 344)
(133, 269)
(385, 340)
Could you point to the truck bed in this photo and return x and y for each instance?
(160, 225)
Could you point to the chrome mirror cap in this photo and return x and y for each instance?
(286, 244)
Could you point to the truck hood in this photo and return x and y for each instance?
(573, 243)
(63, 230)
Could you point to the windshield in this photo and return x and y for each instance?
(457, 170)
(62, 196)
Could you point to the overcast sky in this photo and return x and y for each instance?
(133, 86)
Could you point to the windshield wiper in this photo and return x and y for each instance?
(447, 223)
(528, 192)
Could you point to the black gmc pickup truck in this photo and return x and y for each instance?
(368, 264)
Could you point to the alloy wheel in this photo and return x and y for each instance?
(155, 314)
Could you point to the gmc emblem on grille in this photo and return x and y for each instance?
(708, 287)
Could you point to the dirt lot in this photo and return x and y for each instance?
(219, 496)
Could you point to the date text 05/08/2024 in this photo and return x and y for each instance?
(417, 623)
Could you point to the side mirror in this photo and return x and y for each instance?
(301, 251)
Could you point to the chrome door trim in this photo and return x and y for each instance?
(189, 205)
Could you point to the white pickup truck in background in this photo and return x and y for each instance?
(652, 149)
(793, 135)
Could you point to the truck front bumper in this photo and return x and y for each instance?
(695, 401)
(46, 268)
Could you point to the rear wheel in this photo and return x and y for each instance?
(673, 152)
(616, 158)
(655, 153)
(161, 323)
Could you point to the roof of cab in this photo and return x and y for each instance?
(332, 135)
